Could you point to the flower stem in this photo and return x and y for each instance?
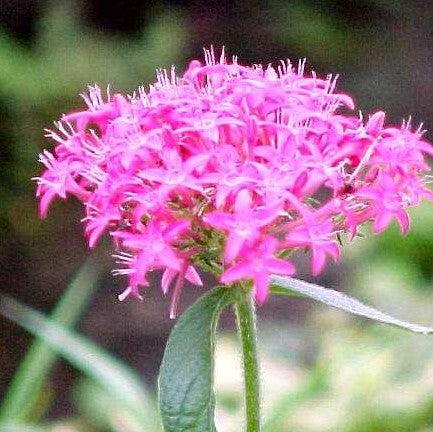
(246, 318)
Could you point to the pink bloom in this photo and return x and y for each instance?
(169, 275)
(386, 203)
(315, 232)
(175, 172)
(156, 240)
(187, 272)
(226, 165)
(375, 123)
(58, 180)
(243, 225)
(258, 264)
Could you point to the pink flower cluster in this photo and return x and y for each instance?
(231, 168)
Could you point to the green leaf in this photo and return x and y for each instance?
(186, 394)
(28, 381)
(116, 378)
(286, 286)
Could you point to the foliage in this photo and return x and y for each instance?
(331, 373)
(186, 394)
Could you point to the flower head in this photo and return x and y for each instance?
(227, 167)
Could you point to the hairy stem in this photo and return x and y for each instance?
(246, 318)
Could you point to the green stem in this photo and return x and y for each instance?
(246, 318)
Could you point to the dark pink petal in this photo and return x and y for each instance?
(219, 220)
(233, 246)
(382, 221)
(168, 258)
(375, 123)
(127, 292)
(167, 278)
(261, 286)
(280, 267)
(242, 270)
(95, 230)
(243, 201)
(175, 229)
(192, 276)
(403, 220)
(267, 215)
(196, 162)
(45, 201)
(318, 260)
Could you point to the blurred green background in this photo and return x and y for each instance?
(323, 370)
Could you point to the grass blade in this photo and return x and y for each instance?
(29, 379)
(12, 427)
(121, 382)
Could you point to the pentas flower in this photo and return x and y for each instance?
(243, 224)
(259, 263)
(230, 169)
